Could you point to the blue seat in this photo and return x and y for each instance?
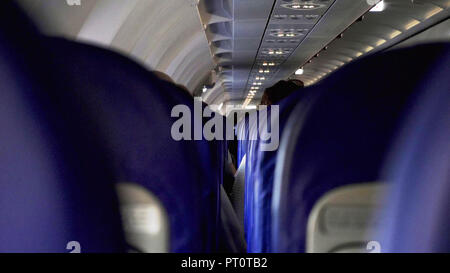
(242, 136)
(341, 136)
(264, 171)
(251, 146)
(418, 207)
(56, 183)
(132, 111)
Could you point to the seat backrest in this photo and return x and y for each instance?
(134, 112)
(56, 184)
(242, 137)
(250, 159)
(264, 174)
(342, 136)
(418, 208)
(343, 220)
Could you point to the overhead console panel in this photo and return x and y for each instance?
(289, 23)
(256, 43)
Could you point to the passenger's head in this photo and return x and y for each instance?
(163, 76)
(279, 91)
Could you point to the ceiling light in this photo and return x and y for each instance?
(369, 48)
(433, 12)
(378, 7)
(204, 89)
(299, 71)
(380, 42)
(287, 33)
(280, 16)
(305, 6)
(395, 34)
(411, 24)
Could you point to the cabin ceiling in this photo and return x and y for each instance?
(238, 47)
(163, 35)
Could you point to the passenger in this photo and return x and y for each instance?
(163, 76)
(279, 91)
(231, 236)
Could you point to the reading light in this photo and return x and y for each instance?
(306, 6)
(299, 71)
(380, 6)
